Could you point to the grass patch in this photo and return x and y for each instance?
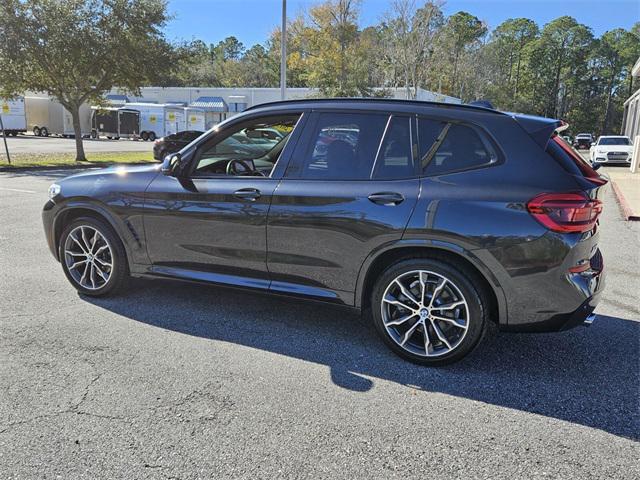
(68, 159)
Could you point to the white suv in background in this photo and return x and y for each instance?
(612, 149)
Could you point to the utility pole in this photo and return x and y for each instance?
(283, 53)
(4, 136)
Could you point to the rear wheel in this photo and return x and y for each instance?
(93, 257)
(428, 311)
(36, 131)
(144, 136)
(152, 136)
(44, 132)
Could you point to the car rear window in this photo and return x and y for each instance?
(452, 147)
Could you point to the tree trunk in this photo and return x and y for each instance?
(607, 110)
(77, 130)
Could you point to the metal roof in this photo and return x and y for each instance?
(210, 104)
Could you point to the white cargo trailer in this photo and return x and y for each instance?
(46, 117)
(159, 119)
(14, 119)
(194, 119)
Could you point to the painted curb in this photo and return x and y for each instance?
(626, 210)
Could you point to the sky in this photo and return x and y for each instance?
(251, 21)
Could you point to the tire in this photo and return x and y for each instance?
(36, 131)
(76, 238)
(152, 136)
(144, 136)
(466, 315)
(44, 132)
(94, 134)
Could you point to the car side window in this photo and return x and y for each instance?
(248, 143)
(452, 147)
(394, 159)
(342, 146)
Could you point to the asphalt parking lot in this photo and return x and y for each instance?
(184, 381)
(29, 144)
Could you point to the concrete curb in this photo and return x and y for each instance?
(81, 166)
(627, 213)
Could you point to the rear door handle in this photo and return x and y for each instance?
(251, 194)
(386, 198)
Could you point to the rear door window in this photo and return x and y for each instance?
(341, 146)
(452, 147)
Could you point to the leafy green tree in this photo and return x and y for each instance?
(618, 50)
(506, 51)
(336, 60)
(562, 47)
(462, 32)
(77, 50)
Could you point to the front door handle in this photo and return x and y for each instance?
(251, 194)
(386, 198)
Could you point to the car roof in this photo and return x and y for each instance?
(373, 103)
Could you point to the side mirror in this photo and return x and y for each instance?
(593, 144)
(170, 163)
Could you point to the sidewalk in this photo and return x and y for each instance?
(626, 187)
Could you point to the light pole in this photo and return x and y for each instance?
(283, 53)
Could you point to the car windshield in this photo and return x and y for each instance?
(614, 141)
(583, 136)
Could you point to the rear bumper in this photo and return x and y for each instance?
(583, 315)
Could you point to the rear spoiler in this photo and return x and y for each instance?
(539, 128)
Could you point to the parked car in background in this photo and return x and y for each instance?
(583, 140)
(612, 149)
(434, 220)
(174, 142)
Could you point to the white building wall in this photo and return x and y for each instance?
(254, 96)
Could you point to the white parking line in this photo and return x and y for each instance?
(17, 190)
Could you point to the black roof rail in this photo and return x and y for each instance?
(374, 100)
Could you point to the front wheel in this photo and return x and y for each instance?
(93, 257)
(428, 311)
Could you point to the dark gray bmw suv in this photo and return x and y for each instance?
(433, 219)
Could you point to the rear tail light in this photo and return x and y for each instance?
(565, 212)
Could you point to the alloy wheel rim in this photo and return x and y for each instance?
(88, 257)
(425, 313)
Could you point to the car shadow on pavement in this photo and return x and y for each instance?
(587, 376)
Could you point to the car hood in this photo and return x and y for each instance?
(99, 182)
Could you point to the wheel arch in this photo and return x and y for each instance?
(378, 261)
(75, 210)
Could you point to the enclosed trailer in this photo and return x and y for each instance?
(14, 119)
(159, 119)
(194, 119)
(215, 109)
(115, 122)
(46, 117)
